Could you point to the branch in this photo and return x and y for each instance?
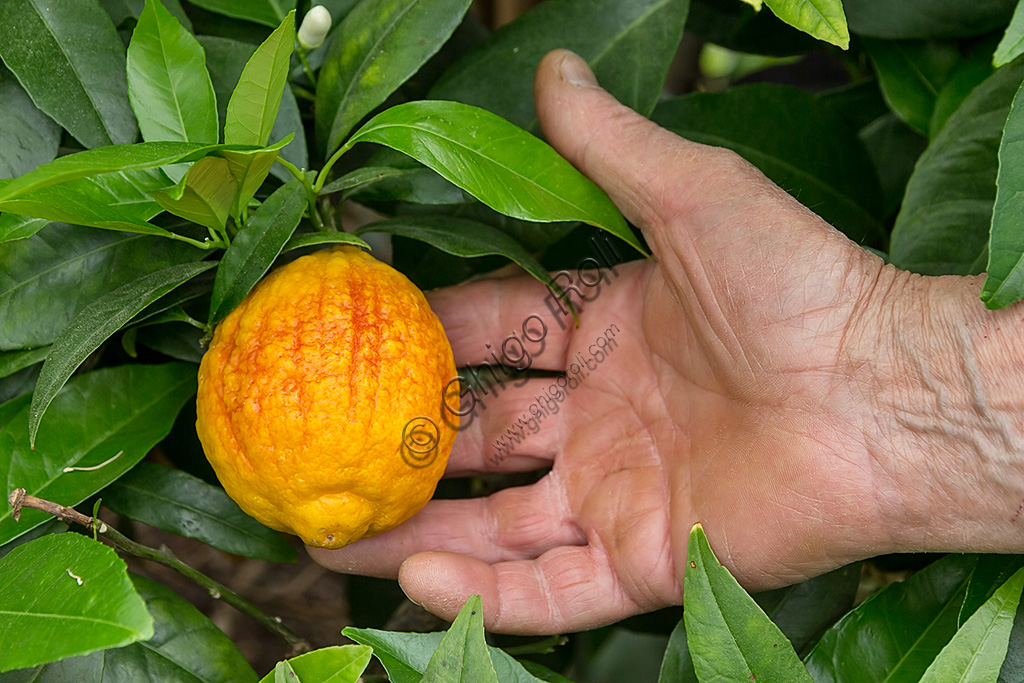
(20, 499)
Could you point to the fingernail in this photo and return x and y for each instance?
(576, 72)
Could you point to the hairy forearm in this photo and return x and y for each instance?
(949, 386)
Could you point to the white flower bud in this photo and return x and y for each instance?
(315, 26)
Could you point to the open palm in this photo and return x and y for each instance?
(737, 379)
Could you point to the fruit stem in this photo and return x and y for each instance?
(19, 499)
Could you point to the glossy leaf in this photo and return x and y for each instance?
(927, 18)
(1012, 44)
(177, 502)
(943, 226)
(911, 74)
(204, 195)
(63, 595)
(629, 45)
(266, 12)
(186, 646)
(336, 664)
(417, 185)
(1004, 284)
(312, 239)
(122, 411)
(823, 19)
(168, 84)
(361, 176)
(729, 637)
(989, 574)
(967, 76)
(94, 324)
(82, 86)
(122, 11)
(12, 361)
(802, 612)
(95, 162)
(521, 177)
(405, 656)
(897, 633)
(256, 99)
(15, 227)
(28, 137)
(115, 201)
(54, 526)
(225, 59)
(258, 243)
(47, 279)
(385, 42)
(977, 650)
(461, 237)
(802, 161)
(250, 169)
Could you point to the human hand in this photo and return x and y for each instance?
(769, 378)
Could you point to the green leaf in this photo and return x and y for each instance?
(1004, 284)
(730, 638)
(95, 162)
(927, 18)
(897, 633)
(12, 361)
(337, 664)
(802, 612)
(63, 595)
(462, 654)
(521, 177)
(977, 650)
(911, 74)
(1012, 44)
(385, 42)
(629, 45)
(186, 646)
(114, 201)
(47, 279)
(82, 86)
(94, 325)
(122, 411)
(15, 227)
(168, 84)
(316, 238)
(737, 27)
(177, 502)
(54, 526)
(989, 574)
(807, 137)
(204, 195)
(967, 76)
(225, 59)
(461, 237)
(256, 99)
(266, 12)
(361, 176)
(943, 226)
(416, 185)
(250, 169)
(823, 19)
(258, 243)
(405, 655)
(28, 137)
(122, 11)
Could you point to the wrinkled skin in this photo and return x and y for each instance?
(772, 380)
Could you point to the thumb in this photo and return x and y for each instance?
(661, 182)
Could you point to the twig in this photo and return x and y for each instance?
(19, 499)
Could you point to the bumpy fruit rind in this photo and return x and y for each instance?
(322, 400)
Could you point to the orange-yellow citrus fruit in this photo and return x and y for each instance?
(322, 403)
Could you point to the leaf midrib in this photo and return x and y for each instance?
(115, 429)
(78, 76)
(493, 161)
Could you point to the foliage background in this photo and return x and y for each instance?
(896, 140)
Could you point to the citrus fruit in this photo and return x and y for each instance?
(322, 402)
